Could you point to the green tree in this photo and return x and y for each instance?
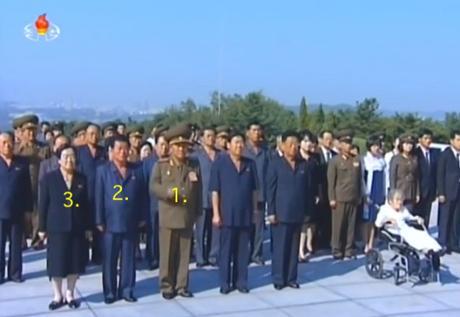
(304, 118)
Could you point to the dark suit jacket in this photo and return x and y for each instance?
(322, 176)
(448, 175)
(427, 174)
(121, 204)
(53, 215)
(288, 190)
(15, 189)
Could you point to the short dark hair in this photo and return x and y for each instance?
(92, 124)
(254, 122)
(288, 134)
(62, 136)
(45, 123)
(425, 131)
(148, 144)
(454, 133)
(236, 134)
(323, 132)
(121, 124)
(307, 133)
(207, 128)
(120, 139)
(63, 148)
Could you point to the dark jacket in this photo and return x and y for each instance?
(427, 174)
(448, 175)
(62, 209)
(15, 189)
(404, 175)
(289, 190)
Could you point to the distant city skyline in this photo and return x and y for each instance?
(115, 53)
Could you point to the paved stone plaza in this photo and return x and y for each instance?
(328, 288)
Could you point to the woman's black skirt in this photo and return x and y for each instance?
(65, 254)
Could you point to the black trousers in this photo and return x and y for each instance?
(423, 209)
(286, 239)
(13, 232)
(234, 257)
(324, 224)
(123, 246)
(448, 223)
(152, 248)
(257, 233)
(207, 238)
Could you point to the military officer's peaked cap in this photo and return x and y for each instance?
(108, 126)
(79, 126)
(58, 126)
(26, 122)
(345, 135)
(223, 130)
(136, 130)
(407, 138)
(179, 134)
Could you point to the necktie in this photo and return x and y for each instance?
(427, 155)
(328, 156)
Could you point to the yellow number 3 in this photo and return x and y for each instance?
(68, 198)
(115, 196)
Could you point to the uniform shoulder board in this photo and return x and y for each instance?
(163, 160)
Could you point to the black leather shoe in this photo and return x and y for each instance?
(168, 296)
(201, 264)
(73, 304)
(337, 257)
(109, 300)
(293, 285)
(258, 261)
(350, 257)
(153, 265)
(243, 290)
(185, 293)
(225, 291)
(278, 287)
(129, 299)
(56, 305)
(17, 280)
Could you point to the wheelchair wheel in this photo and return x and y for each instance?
(374, 264)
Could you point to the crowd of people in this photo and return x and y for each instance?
(209, 194)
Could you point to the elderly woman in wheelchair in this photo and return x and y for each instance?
(414, 253)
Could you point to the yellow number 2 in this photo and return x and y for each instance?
(68, 198)
(115, 196)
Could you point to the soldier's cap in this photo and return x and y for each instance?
(222, 130)
(179, 134)
(57, 126)
(345, 135)
(79, 126)
(160, 129)
(136, 130)
(107, 126)
(407, 138)
(26, 122)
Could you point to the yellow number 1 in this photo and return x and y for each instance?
(68, 197)
(176, 194)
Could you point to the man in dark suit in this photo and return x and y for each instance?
(289, 197)
(449, 194)
(15, 200)
(89, 157)
(120, 208)
(325, 154)
(152, 248)
(233, 185)
(427, 164)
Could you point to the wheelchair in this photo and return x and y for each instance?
(409, 264)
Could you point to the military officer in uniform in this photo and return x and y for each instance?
(35, 152)
(108, 130)
(135, 141)
(346, 190)
(15, 200)
(222, 133)
(57, 128)
(120, 208)
(79, 133)
(176, 182)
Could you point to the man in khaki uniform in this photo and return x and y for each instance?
(345, 188)
(35, 152)
(176, 182)
(135, 141)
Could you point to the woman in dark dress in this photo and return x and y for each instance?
(404, 172)
(309, 153)
(64, 219)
